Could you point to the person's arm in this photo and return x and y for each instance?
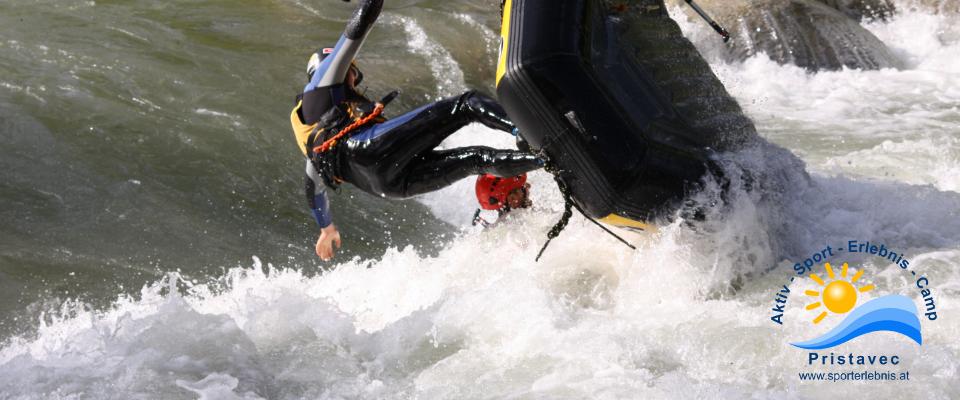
(333, 69)
(325, 89)
(320, 208)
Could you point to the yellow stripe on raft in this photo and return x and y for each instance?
(616, 220)
(504, 40)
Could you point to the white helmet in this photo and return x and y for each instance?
(315, 60)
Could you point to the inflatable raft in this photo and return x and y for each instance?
(622, 105)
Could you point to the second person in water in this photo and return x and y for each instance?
(346, 139)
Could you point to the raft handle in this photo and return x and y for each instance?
(713, 24)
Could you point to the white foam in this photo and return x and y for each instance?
(308, 8)
(204, 111)
(685, 316)
(483, 320)
(128, 33)
(831, 118)
(491, 38)
(445, 69)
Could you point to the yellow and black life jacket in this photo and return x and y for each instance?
(353, 112)
(348, 112)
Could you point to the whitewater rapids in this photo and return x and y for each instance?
(684, 316)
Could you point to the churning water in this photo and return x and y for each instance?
(147, 142)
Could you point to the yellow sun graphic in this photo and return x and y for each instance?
(839, 296)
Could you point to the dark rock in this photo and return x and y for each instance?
(805, 33)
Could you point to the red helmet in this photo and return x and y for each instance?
(492, 190)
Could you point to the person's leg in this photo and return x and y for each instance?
(384, 150)
(437, 169)
(423, 129)
(485, 110)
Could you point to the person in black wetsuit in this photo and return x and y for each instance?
(345, 139)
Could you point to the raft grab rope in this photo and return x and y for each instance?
(568, 207)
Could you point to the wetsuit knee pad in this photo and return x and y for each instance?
(481, 108)
(476, 102)
(465, 98)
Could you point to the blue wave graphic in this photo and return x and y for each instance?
(894, 313)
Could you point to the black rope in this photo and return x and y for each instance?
(605, 229)
(559, 227)
(568, 207)
(478, 220)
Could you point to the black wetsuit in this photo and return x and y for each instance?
(397, 158)
(394, 158)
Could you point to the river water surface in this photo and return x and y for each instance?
(154, 241)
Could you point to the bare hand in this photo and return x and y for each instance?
(328, 237)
